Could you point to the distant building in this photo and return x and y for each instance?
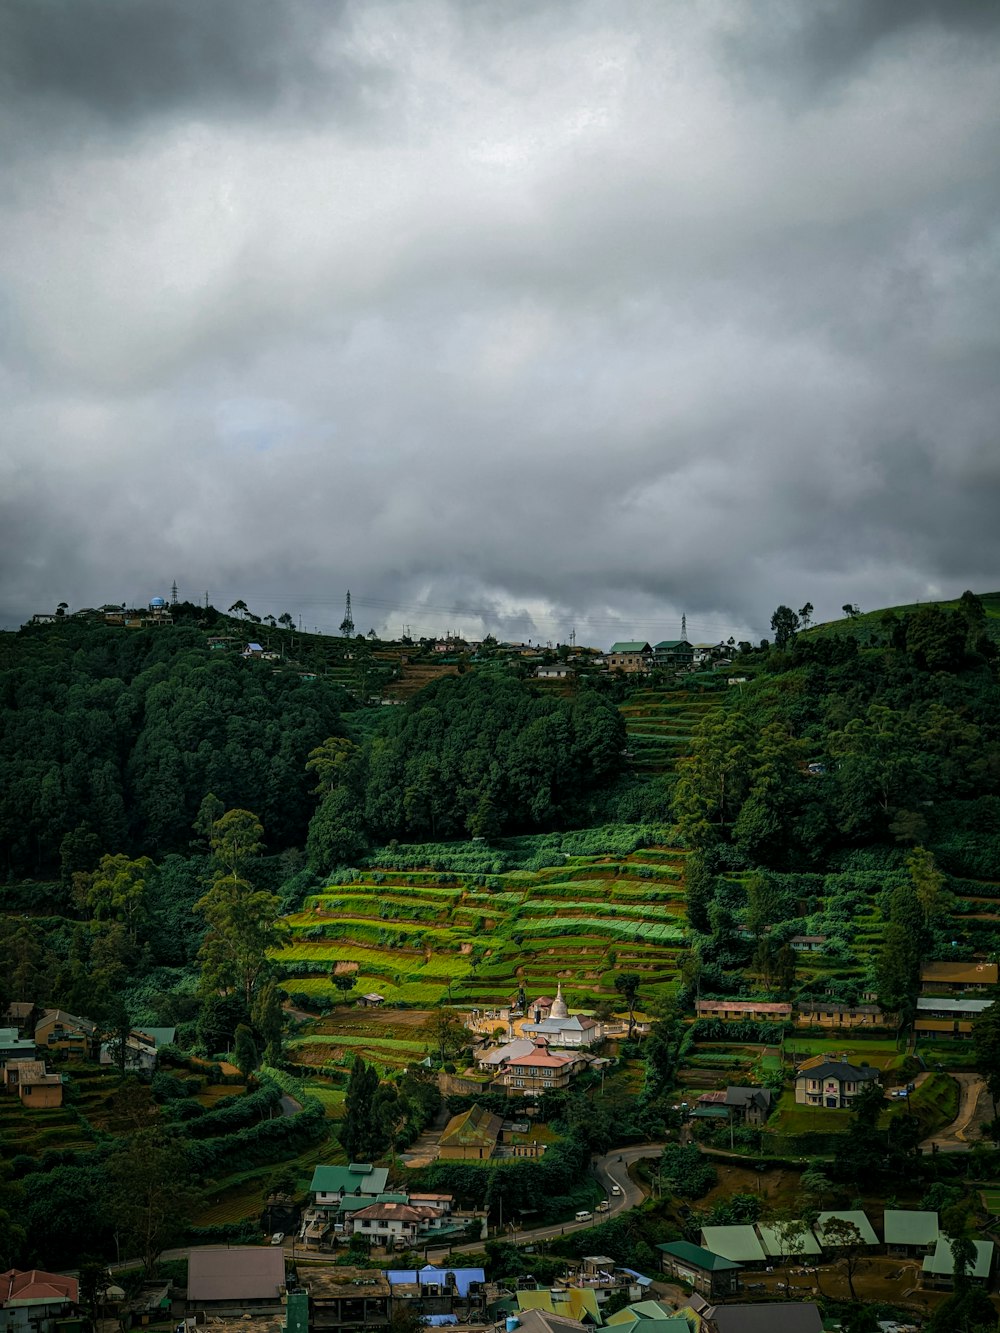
(630, 656)
(673, 654)
(745, 1105)
(837, 1014)
(938, 1269)
(59, 1031)
(909, 1232)
(15, 1047)
(471, 1136)
(540, 1071)
(766, 1011)
(330, 1185)
(241, 1278)
(947, 1016)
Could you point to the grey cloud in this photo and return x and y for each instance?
(578, 330)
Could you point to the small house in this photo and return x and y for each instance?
(71, 1036)
(734, 1011)
(33, 1085)
(837, 1014)
(710, 1274)
(15, 1047)
(471, 1136)
(632, 656)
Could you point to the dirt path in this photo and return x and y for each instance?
(973, 1106)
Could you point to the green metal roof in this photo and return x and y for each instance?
(856, 1216)
(630, 646)
(907, 1226)
(698, 1257)
(739, 1243)
(776, 1247)
(942, 1261)
(359, 1175)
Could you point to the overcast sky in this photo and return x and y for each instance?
(504, 314)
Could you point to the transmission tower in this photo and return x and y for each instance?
(347, 624)
(684, 628)
(173, 593)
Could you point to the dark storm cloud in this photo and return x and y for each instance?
(521, 318)
(118, 63)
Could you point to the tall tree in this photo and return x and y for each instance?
(117, 891)
(785, 624)
(627, 985)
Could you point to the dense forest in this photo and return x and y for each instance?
(110, 741)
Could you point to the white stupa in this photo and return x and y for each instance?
(559, 1009)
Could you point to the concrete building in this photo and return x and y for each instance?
(831, 1083)
(34, 1301)
(710, 1274)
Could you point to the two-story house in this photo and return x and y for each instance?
(74, 1037)
(831, 1083)
(331, 1184)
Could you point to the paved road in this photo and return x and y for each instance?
(610, 1170)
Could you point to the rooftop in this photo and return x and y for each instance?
(245, 1273)
(474, 1128)
(907, 1226)
(855, 1216)
(968, 974)
(698, 1257)
(739, 1243)
(34, 1284)
(942, 1261)
(358, 1176)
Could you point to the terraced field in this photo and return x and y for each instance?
(419, 937)
(660, 724)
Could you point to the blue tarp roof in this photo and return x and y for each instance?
(639, 1277)
(439, 1320)
(431, 1273)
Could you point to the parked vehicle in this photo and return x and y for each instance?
(277, 1238)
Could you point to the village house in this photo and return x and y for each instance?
(632, 656)
(708, 1273)
(954, 978)
(390, 1224)
(15, 1047)
(738, 1243)
(21, 1015)
(71, 1036)
(831, 1083)
(555, 671)
(33, 1085)
(560, 1027)
(471, 1136)
(735, 1010)
(540, 1071)
(676, 654)
(491, 1059)
(140, 1048)
(330, 1185)
(808, 943)
(35, 1301)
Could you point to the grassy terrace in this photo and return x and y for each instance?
(421, 935)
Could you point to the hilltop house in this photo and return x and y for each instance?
(676, 654)
(630, 656)
(390, 1223)
(831, 1083)
(837, 1014)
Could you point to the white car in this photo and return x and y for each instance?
(277, 1238)
(616, 1189)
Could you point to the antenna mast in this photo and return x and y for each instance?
(173, 593)
(684, 627)
(347, 624)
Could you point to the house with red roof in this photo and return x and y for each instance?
(540, 1070)
(32, 1301)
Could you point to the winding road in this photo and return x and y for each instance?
(610, 1170)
